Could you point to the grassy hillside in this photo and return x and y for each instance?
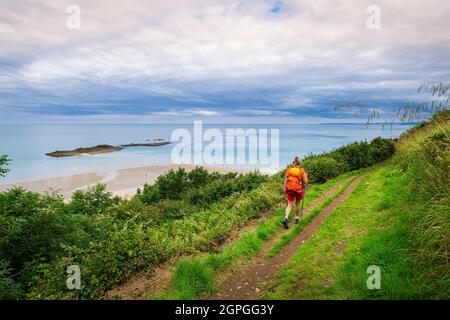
(397, 219)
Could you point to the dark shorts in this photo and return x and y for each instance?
(295, 195)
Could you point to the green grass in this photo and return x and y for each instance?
(373, 227)
(396, 218)
(312, 271)
(286, 238)
(195, 277)
(406, 274)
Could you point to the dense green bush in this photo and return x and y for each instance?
(172, 184)
(197, 187)
(9, 289)
(354, 155)
(220, 188)
(322, 168)
(112, 238)
(149, 194)
(35, 228)
(136, 242)
(350, 157)
(200, 176)
(3, 163)
(381, 149)
(167, 209)
(95, 200)
(28, 226)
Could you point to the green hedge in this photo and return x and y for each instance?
(350, 157)
(112, 238)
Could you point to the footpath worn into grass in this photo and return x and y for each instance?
(368, 229)
(288, 236)
(394, 217)
(241, 244)
(246, 284)
(397, 219)
(197, 277)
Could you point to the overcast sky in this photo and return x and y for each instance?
(217, 60)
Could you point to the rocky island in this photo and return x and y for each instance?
(103, 148)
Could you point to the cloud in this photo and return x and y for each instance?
(187, 113)
(259, 112)
(275, 58)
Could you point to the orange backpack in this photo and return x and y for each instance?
(294, 177)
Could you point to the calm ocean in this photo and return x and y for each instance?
(27, 145)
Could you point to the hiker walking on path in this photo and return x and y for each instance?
(294, 187)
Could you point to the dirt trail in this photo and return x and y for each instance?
(246, 283)
(268, 245)
(152, 281)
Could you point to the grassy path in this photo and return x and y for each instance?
(376, 216)
(369, 228)
(246, 284)
(199, 276)
(253, 233)
(397, 220)
(286, 237)
(312, 271)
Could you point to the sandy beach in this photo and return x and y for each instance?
(122, 182)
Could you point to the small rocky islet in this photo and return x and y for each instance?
(103, 148)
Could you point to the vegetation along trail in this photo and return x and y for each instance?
(155, 280)
(246, 284)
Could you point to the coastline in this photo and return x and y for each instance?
(121, 182)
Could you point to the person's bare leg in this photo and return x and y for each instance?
(297, 207)
(288, 209)
(286, 215)
(297, 211)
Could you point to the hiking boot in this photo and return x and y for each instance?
(286, 223)
(297, 220)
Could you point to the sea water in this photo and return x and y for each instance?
(26, 145)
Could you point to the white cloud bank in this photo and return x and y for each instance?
(192, 50)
